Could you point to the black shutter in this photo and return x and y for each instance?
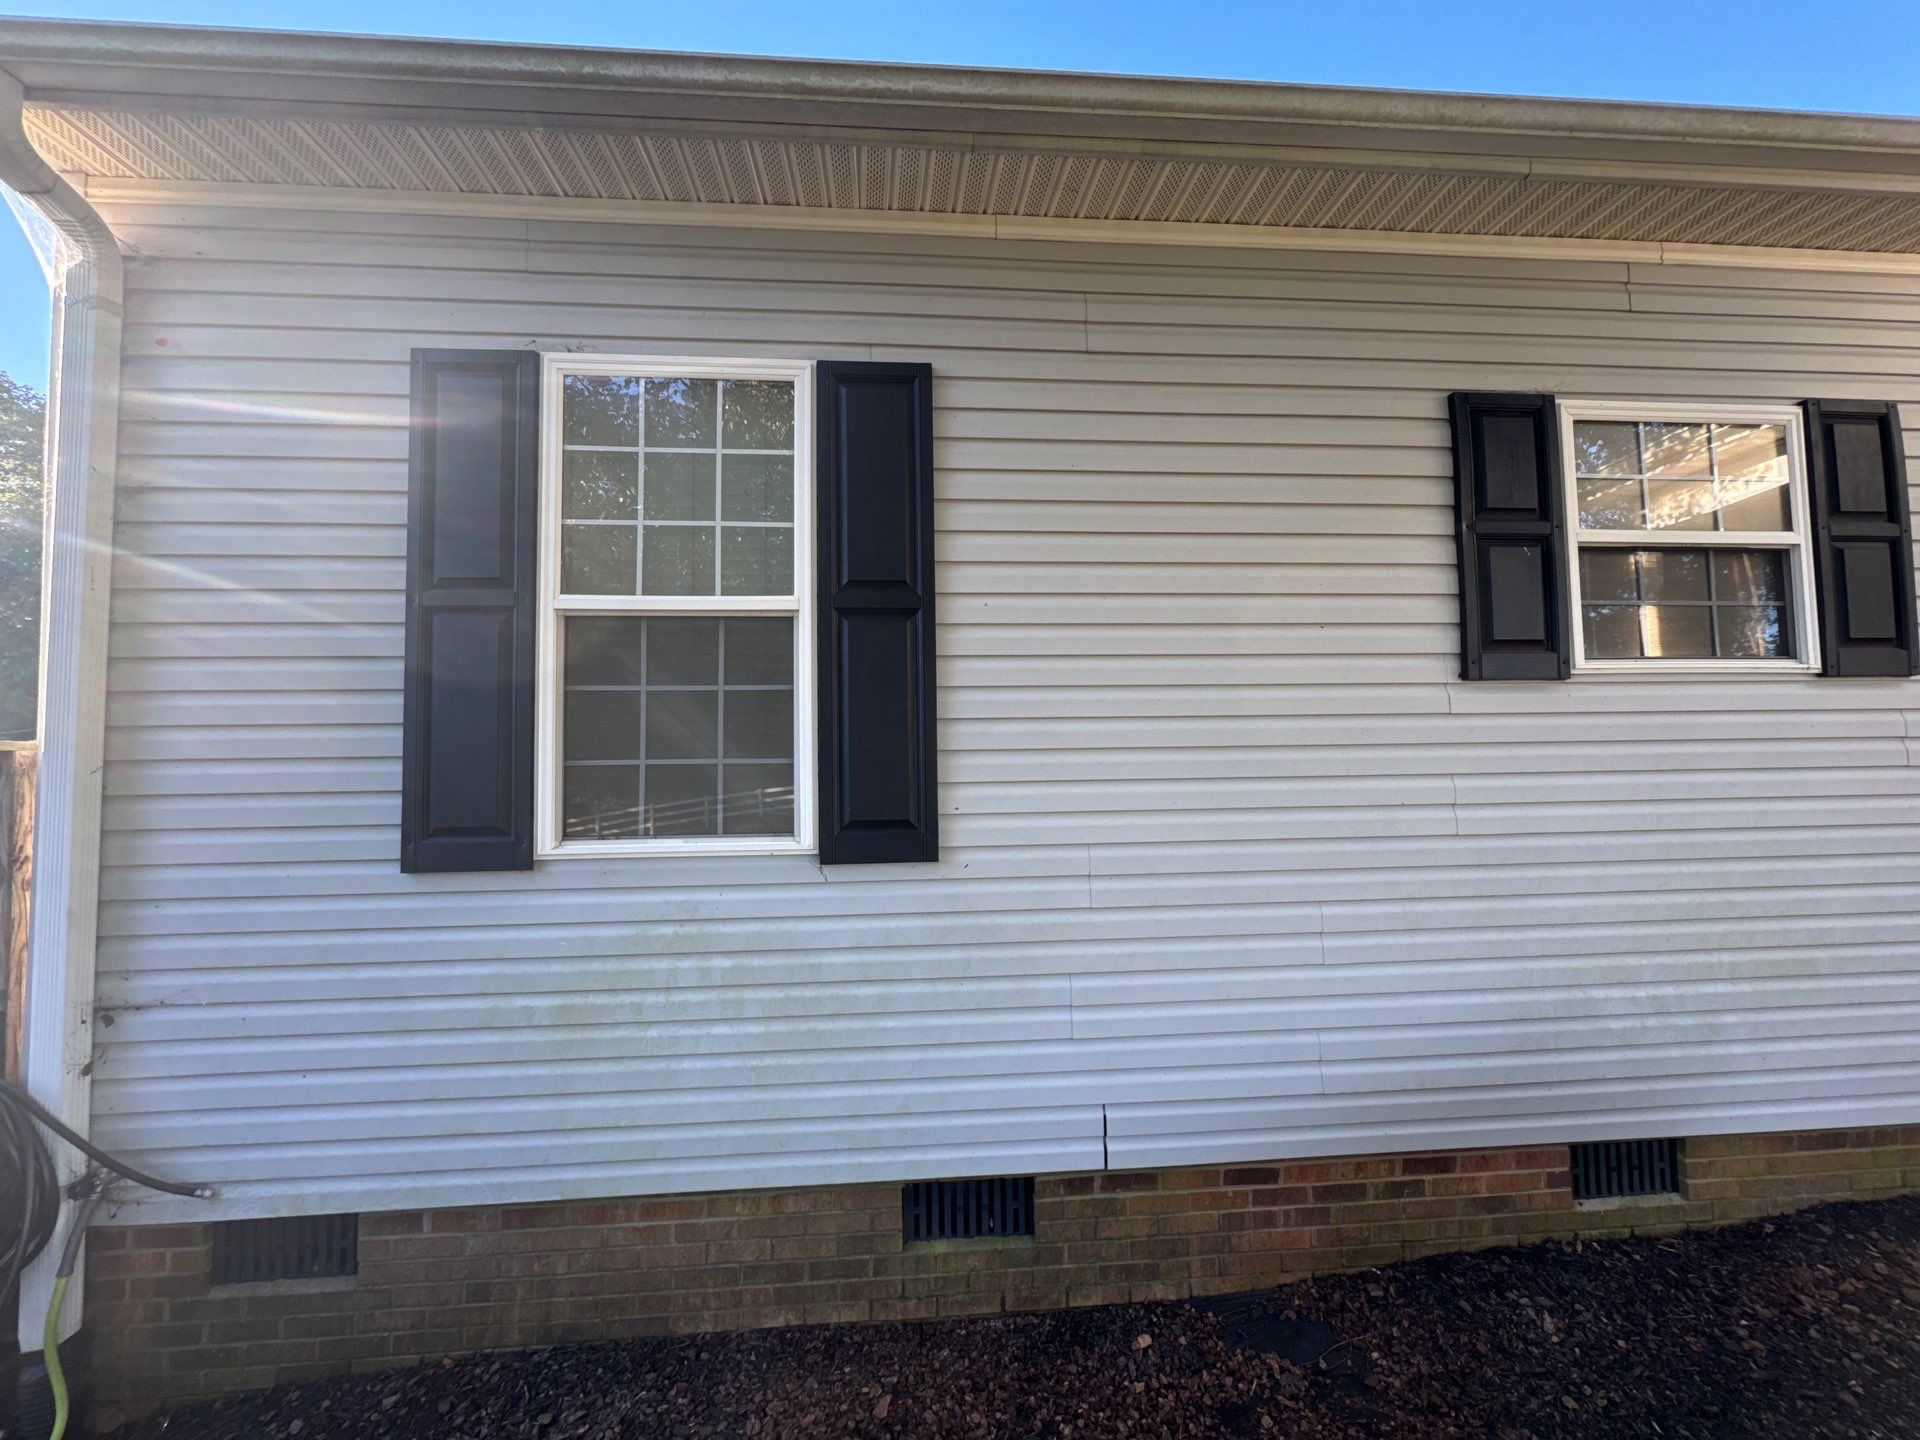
(1513, 587)
(1863, 538)
(878, 797)
(467, 747)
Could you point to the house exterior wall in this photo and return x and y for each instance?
(446, 1282)
(1235, 869)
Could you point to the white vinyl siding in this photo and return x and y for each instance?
(1234, 866)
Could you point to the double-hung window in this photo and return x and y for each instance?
(675, 649)
(1691, 538)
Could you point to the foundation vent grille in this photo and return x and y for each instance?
(1613, 1169)
(306, 1247)
(966, 1209)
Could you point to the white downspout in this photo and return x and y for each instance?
(83, 405)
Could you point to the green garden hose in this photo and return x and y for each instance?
(50, 1336)
(50, 1346)
(30, 1200)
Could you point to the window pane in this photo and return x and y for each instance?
(684, 652)
(678, 560)
(682, 800)
(1755, 502)
(1685, 604)
(680, 412)
(600, 802)
(1672, 574)
(1673, 450)
(759, 415)
(758, 799)
(679, 487)
(602, 724)
(600, 410)
(1749, 575)
(599, 485)
(757, 560)
(683, 724)
(1751, 450)
(1751, 631)
(597, 559)
(1676, 632)
(645, 744)
(1680, 505)
(759, 724)
(759, 652)
(1658, 475)
(758, 487)
(603, 651)
(1611, 505)
(1613, 632)
(1606, 448)
(1608, 575)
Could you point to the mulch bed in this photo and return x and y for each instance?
(1803, 1326)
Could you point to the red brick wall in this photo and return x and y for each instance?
(446, 1281)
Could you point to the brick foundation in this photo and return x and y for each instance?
(442, 1282)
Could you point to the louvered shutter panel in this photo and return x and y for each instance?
(878, 786)
(1513, 620)
(1863, 538)
(467, 733)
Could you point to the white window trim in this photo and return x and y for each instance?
(1799, 552)
(548, 731)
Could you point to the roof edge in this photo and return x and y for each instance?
(77, 57)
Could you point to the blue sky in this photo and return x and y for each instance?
(1850, 55)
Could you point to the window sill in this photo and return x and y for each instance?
(691, 845)
(1663, 670)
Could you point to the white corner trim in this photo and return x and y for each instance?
(82, 418)
(242, 195)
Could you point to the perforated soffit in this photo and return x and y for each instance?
(908, 177)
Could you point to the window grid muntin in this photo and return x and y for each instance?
(1646, 478)
(1712, 604)
(643, 761)
(719, 451)
(557, 606)
(1797, 541)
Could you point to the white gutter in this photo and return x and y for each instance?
(82, 418)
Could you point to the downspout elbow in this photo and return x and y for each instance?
(88, 246)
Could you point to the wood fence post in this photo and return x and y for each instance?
(17, 771)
